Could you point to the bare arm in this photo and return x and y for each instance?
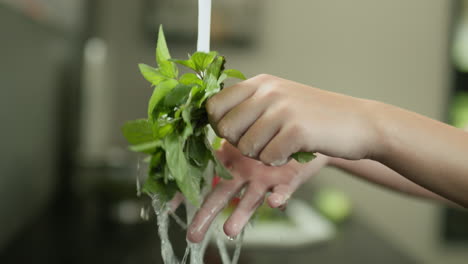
(380, 174)
(425, 151)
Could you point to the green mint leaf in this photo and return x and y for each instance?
(162, 129)
(183, 173)
(212, 87)
(158, 95)
(168, 69)
(216, 67)
(234, 74)
(197, 151)
(152, 75)
(190, 79)
(202, 60)
(216, 143)
(138, 131)
(303, 157)
(187, 63)
(148, 147)
(162, 52)
(157, 186)
(220, 170)
(157, 160)
(178, 95)
(163, 56)
(186, 116)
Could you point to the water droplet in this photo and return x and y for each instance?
(138, 185)
(184, 259)
(144, 213)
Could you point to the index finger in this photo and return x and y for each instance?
(215, 202)
(218, 105)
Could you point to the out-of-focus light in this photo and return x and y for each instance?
(459, 110)
(333, 204)
(460, 44)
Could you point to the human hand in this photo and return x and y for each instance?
(269, 119)
(258, 180)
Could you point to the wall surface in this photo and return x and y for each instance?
(393, 51)
(29, 96)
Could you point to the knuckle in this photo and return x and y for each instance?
(282, 109)
(266, 157)
(296, 130)
(227, 132)
(268, 90)
(211, 107)
(223, 129)
(245, 146)
(263, 77)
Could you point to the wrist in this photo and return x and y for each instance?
(377, 114)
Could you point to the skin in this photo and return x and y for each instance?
(268, 119)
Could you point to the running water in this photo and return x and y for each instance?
(222, 250)
(162, 216)
(138, 185)
(186, 254)
(237, 251)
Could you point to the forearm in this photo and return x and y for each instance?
(381, 175)
(427, 152)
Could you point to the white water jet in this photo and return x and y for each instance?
(237, 250)
(162, 216)
(222, 251)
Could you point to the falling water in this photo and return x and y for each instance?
(222, 250)
(137, 178)
(186, 254)
(237, 251)
(162, 216)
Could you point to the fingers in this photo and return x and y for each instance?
(214, 203)
(282, 146)
(176, 201)
(251, 200)
(259, 134)
(281, 193)
(225, 153)
(279, 196)
(228, 98)
(234, 123)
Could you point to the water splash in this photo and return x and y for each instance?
(237, 251)
(138, 185)
(178, 220)
(186, 254)
(222, 251)
(144, 213)
(196, 254)
(162, 216)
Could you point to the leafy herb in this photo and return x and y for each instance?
(303, 157)
(174, 134)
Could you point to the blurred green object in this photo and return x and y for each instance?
(459, 110)
(333, 204)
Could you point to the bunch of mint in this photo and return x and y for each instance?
(175, 133)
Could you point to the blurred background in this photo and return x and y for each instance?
(69, 79)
